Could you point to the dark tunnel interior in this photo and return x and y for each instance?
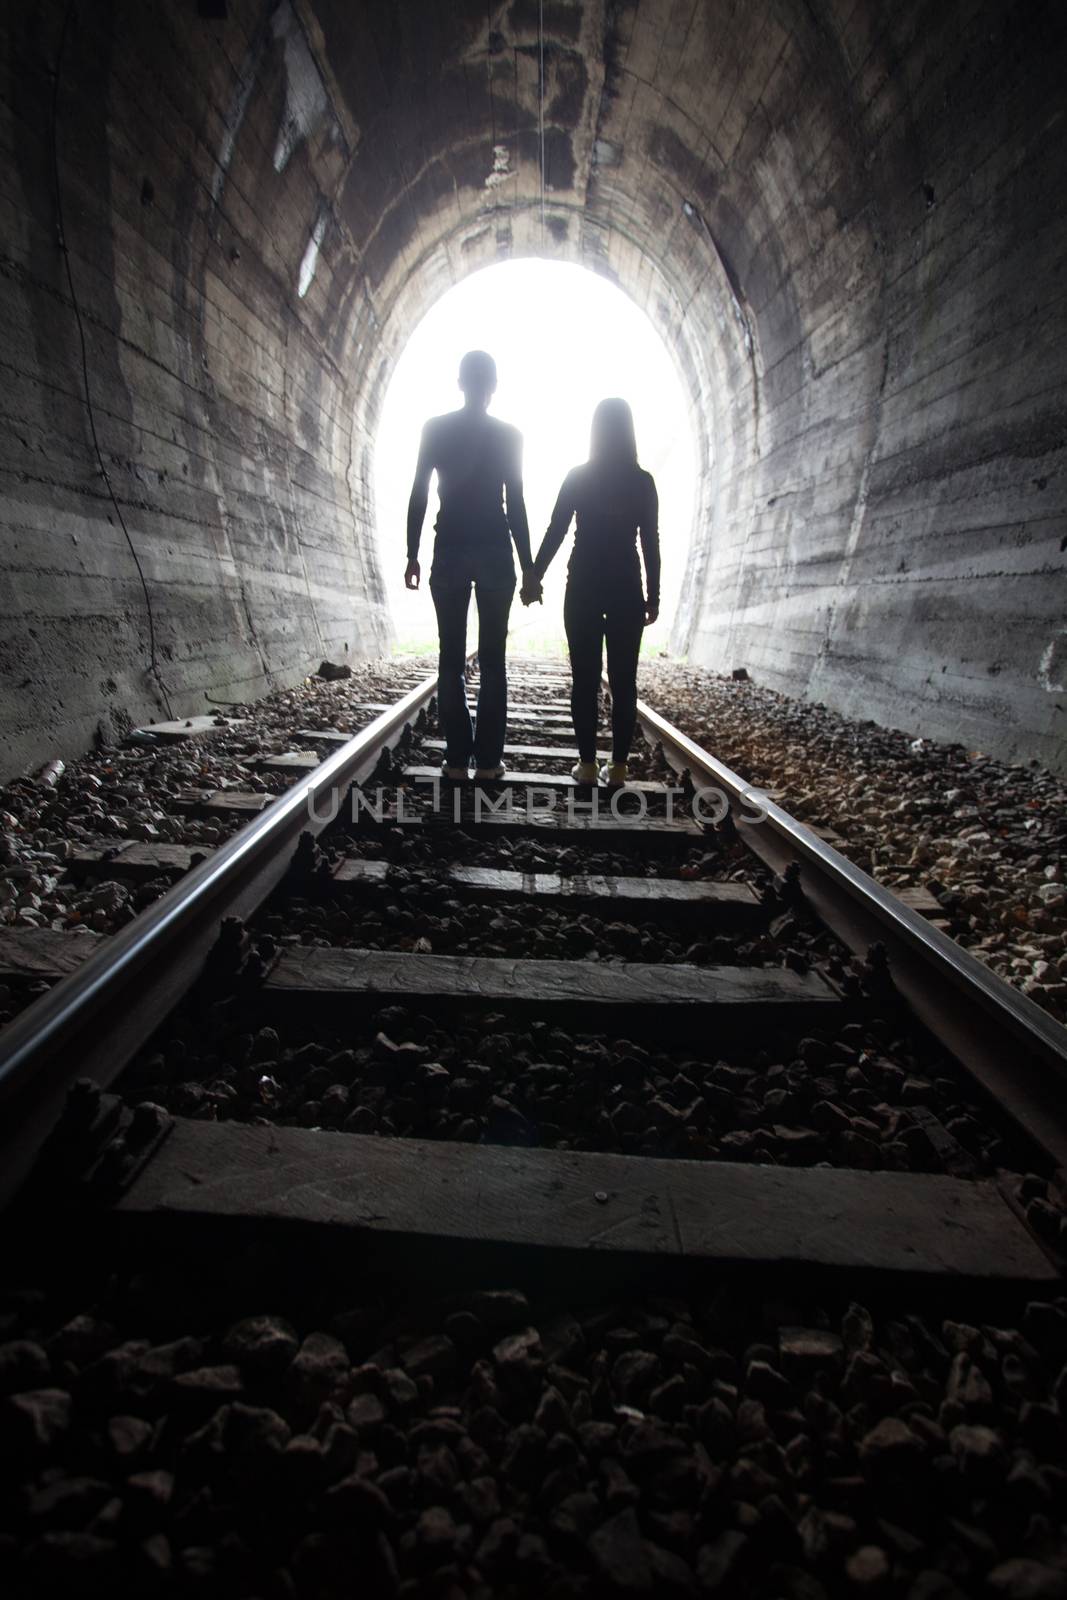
(844, 219)
(568, 1105)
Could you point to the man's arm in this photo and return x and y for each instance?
(648, 529)
(420, 494)
(516, 504)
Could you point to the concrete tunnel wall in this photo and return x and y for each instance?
(844, 218)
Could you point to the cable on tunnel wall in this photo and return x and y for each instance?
(541, 105)
(153, 662)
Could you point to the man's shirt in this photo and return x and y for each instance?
(478, 462)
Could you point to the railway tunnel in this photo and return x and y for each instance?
(842, 220)
(557, 1180)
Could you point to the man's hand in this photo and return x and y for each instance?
(651, 613)
(412, 574)
(531, 589)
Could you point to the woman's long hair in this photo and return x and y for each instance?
(612, 441)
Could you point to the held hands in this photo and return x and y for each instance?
(531, 590)
(412, 574)
(651, 613)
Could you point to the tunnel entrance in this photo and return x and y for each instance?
(563, 338)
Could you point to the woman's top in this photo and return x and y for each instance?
(613, 505)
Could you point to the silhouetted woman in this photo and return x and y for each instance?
(615, 504)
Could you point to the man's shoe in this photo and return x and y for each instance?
(488, 774)
(584, 773)
(614, 774)
(454, 774)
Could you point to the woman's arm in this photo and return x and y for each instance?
(559, 523)
(648, 529)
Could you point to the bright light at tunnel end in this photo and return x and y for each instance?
(563, 338)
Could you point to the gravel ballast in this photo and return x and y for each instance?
(145, 790)
(863, 1096)
(989, 840)
(187, 1416)
(493, 1442)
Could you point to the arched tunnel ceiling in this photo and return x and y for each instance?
(844, 219)
(704, 157)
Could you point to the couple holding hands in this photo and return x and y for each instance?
(614, 505)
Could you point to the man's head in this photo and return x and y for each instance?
(477, 378)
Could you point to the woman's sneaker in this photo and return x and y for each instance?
(614, 774)
(584, 772)
(488, 774)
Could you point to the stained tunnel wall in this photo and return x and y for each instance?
(844, 219)
(194, 161)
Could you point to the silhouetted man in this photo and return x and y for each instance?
(478, 462)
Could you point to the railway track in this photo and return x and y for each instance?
(688, 859)
(664, 1059)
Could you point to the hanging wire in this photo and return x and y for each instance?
(153, 664)
(541, 105)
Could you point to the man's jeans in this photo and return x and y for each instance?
(451, 598)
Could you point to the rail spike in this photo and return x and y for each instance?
(877, 957)
(309, 870)
(144, 1130)
(726, 830)
(383, 770)
(877, 976)
(790, 887)
(225, 958)
(90, 1123)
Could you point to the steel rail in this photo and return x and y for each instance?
(91, 1022)
(1014, 1049)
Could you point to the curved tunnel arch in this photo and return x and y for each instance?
(709, 246)
(700, 368)
(842, 219)
(563, 337)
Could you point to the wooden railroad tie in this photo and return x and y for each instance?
(540, 708)
(239, 802)
(922, 901)
(537, 780)
(183, 728)
(134, 860)
(566, 1203)
(323, 735)
(725, 903)
(548, 718)
(528, 752)
(292, 760)
(338, 972)
(516, 713)
(216, 802)
(655, 833)
(33, 953)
